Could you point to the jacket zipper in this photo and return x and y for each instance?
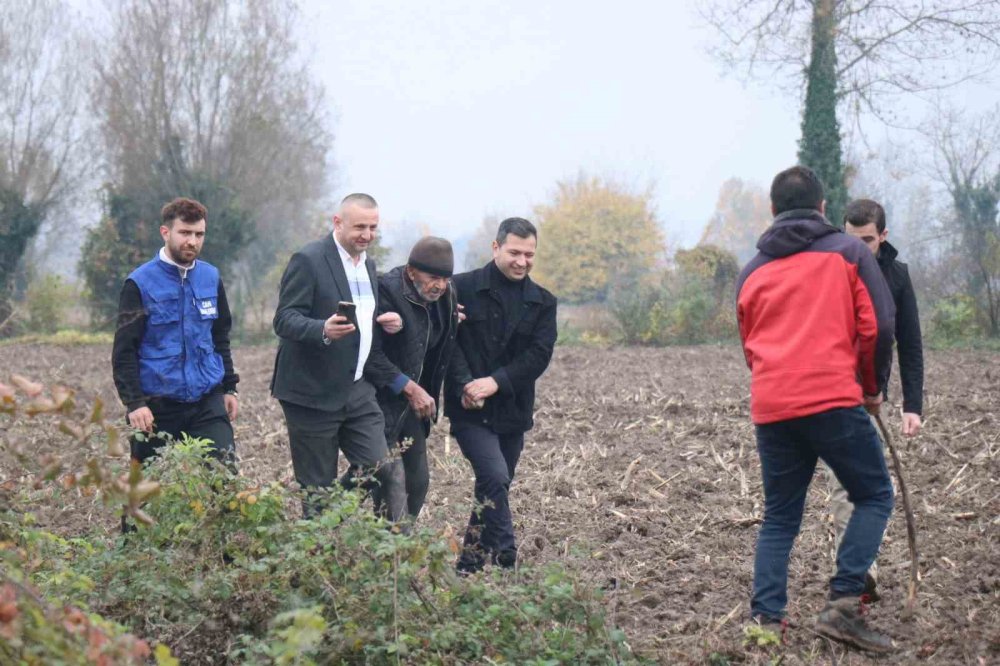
(427, 341)
(183, 336)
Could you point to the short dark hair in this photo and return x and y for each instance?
(518, 226)
(862, 212)
(183, 209)
(360, 199)
(796, 188)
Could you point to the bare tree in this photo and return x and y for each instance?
(40, 125)
(882, 48)
(967, 162)
(212, 97)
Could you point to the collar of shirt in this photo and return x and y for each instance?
(166, 258)
(345, 255)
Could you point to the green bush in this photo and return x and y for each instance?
(34, 630)
(683, 310)
(223, 574)
(690, 304)
(954, 320)
(46, 302)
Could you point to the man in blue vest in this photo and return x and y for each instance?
(171, 362)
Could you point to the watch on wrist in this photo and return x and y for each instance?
(233, 392)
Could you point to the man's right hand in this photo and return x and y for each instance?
(420, 400)
(873, 403)
(337, 327)
(141, 419)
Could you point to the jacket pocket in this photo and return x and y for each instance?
(160, 370)
(164, 307)
(206, 303)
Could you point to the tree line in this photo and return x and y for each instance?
(213, 100)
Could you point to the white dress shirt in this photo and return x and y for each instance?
(364, 302)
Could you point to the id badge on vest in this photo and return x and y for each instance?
(206, 308)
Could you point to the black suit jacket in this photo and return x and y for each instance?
(308, 372)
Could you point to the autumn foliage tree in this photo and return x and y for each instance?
(596, 236)
(742, 213)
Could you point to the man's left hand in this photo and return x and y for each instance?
(461, 312)
(232, 405)
(911, 424)
(480, 389)
(391, 322)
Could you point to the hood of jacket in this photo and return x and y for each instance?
(794, 231)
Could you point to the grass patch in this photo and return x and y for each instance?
(68, 337)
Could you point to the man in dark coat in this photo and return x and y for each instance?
(319, 367)
(409, 366)
(865, 219)
(504, 345)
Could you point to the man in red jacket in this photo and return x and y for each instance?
(816, 322)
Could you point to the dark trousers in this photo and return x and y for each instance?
(205, 419)
(415, 469)
(491, 529)
(357, 429)
(846, 441)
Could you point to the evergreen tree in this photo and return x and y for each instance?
(819, 147)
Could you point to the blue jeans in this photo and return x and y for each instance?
(846, 441)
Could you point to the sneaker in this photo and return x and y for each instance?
(843, 620)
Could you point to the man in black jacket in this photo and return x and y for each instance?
(865, 219)
(318, 371)
(504, 345)
(409, 366)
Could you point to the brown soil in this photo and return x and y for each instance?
(641, 476)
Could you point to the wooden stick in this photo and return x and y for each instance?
(911, 525)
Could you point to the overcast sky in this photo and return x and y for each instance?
(448, 110)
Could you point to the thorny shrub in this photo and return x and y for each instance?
(217, 570)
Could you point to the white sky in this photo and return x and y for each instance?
(449, 110)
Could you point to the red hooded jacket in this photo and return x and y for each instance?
(816, 320)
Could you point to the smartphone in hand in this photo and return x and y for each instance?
(349, 310)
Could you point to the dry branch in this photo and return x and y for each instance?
(911, 526)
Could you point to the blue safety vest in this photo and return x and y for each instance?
(177, 358)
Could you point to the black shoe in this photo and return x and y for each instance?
(506, 559)
(843, 619)
(470, 562)
(870, 595)
(466, 569)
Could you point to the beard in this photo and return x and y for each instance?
(181, 255)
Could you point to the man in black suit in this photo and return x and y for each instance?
(319, 368)
(503, 346)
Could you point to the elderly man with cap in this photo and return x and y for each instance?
(409, 364)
